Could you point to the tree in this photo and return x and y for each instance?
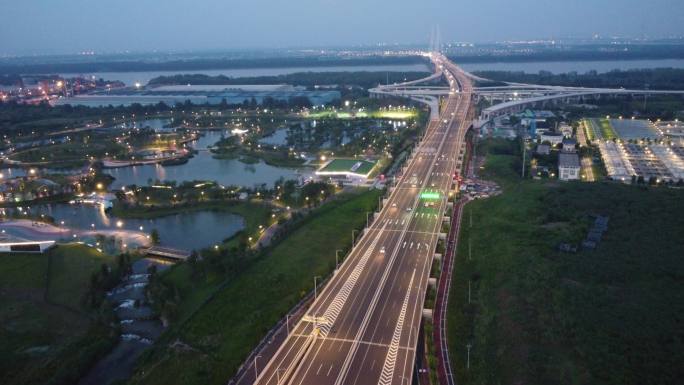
(154, 236)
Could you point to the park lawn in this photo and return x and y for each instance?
(225, 329)
(607, 130)
(539, 316)
(588, 125)
(70, 269)
(41, 340)
(70, 152)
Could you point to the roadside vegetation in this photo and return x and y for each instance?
(227, 321)
(541, 316)
(364, 79)
(54, 323)
(655, 78)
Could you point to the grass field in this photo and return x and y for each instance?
(539, 316)
(607, 130)
(595, 128)
(70, 269)
(45, 337)
(223, 331)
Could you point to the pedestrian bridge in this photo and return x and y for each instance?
(167, 253)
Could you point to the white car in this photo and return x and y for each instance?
(382, 250)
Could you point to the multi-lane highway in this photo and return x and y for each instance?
(363, 327)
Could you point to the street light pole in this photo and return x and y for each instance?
(337, 259)
(256, 373)
(315, 287)
(468, 362)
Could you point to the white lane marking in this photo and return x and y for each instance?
(319, 369)
(331, 313)
(387, 373)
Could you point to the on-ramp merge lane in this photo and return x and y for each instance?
(362, 328)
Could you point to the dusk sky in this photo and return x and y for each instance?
(65, 26)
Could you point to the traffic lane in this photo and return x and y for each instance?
(345, 329)
(383, 321)
(412, 270)
(325, 369)
(358, 320)
(290, 349)
(416, 222)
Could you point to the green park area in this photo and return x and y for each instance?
(47, 333)
(72, 153)
(228, 319)
(607, 130)
(384, 113)
(537, 315)
(357, 166)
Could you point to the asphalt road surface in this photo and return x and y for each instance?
(363, 327)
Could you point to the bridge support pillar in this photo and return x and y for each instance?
(432, 282)
(442, 236)
(438, 256)
(427, 314)
(446, 218)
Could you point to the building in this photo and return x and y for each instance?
(349, 170)
(566, 130)
(569, 145)
(17, 246)
(543, 149)
(551, 137)
(568, 166)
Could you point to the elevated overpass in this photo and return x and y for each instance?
(508, 98)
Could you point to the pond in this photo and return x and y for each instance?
(278, 138)
(203, 166)
(187, 231)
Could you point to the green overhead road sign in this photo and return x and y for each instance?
(429, 195)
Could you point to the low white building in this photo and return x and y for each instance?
(25, 246)
(568, 166)
(551, 137)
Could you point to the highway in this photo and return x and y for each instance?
(363, 327)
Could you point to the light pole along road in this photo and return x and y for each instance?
(363, 327)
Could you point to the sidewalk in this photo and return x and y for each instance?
(439, 331)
